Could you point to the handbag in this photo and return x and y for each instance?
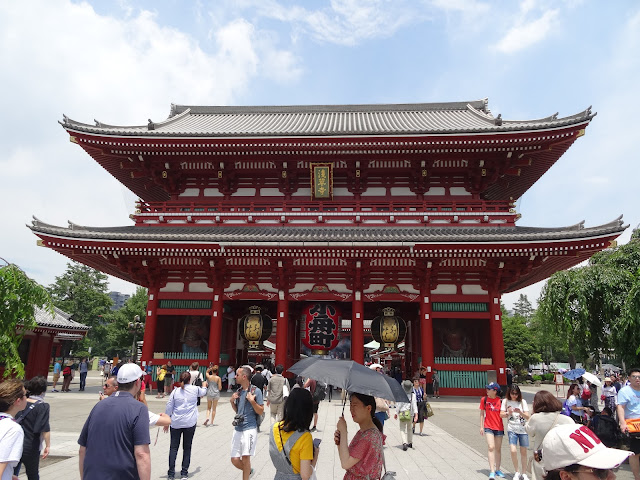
(429, 410)
(198, 381)
(405, 415)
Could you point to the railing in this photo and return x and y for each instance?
(461, 379)
(461, 360)
(181, 356)
(277, 211)
(178, 372)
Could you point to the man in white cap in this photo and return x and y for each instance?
(574, 452)
(114, 442)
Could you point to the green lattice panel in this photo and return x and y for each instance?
(185, 304)
(460, 307)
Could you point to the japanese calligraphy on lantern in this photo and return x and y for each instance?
(388, 329)
(321, 321)
(321, 180)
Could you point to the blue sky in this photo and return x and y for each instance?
(122, 62)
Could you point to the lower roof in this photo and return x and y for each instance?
(352, 234)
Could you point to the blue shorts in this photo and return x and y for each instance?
(495, 433)
(514, 438)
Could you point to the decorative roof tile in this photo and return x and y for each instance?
(59, 319)
(329, 120)
(355, 235)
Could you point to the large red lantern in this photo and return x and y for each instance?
(321, 323)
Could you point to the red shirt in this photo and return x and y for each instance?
(367, 446)
(491, 409)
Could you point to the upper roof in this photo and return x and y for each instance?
(328, 120)
(59, 319)
(355, 235)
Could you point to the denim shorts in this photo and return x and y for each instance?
(495, 433)
(523, 438)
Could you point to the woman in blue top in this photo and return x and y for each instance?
(182, 407)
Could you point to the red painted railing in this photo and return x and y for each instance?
(305, 212)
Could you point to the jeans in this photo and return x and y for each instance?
(83, 380)
(187, 434)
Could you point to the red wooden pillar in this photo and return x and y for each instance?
(426, 328)
(32, 357)
(215, 328)
(232, 339)
(47, 346)
(293, 349)
(357, 328)
(150, 325)
(282, 329)
(497, 340)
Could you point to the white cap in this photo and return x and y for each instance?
(129, 372)
(566, 445)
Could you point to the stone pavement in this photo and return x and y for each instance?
(438, 454)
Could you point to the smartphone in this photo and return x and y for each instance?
(316, 442)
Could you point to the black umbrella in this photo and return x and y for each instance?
(350, 376)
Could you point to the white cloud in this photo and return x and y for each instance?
(342, 22)
(63, 57)
(525, 32)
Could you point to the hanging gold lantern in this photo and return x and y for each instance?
(388, 329)
(256, 327)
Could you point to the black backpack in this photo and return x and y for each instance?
(320, 392)
(606, 429)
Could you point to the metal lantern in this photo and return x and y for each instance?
(388, 329)
(320, 323)
(255, 327)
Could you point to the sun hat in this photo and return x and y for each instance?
(407, 385)
(129, 372)
(608, 379)
(493, 386)
(566, 445)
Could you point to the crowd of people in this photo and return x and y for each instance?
(116, 436)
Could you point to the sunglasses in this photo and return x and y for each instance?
(602, 474)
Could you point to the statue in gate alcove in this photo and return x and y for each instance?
(455, 342)
(195, 335)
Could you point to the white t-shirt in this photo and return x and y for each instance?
(11, 440)
(515, 421)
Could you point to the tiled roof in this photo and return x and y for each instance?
(329, 120)
(59, 319)
(354, 235)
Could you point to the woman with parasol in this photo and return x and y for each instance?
(363, 457)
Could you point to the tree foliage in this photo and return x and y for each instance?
(520, 345)
(117, 339)
(82, 292)
(597, 307)
(19, 298)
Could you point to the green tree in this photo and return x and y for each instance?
(118, 339)
(595, 308)
(520, 346)
(19, 298)
(82, 292)
(523, 308)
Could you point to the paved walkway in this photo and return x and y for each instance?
(438, 454)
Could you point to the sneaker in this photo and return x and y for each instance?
(524, 477)
(251, 473)
(411, 445)
(516, 476)
(314, 429)
(492, 475)
(184, 477)
(499, 474)
(54, 390)
(405, 446)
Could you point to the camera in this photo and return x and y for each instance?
(238, 420)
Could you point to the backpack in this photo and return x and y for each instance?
(586, 394)
(66, 371)
(606, 429)
(319, 393)
(565, 409)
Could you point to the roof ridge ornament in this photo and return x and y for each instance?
(498, 120)
(151, 125)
